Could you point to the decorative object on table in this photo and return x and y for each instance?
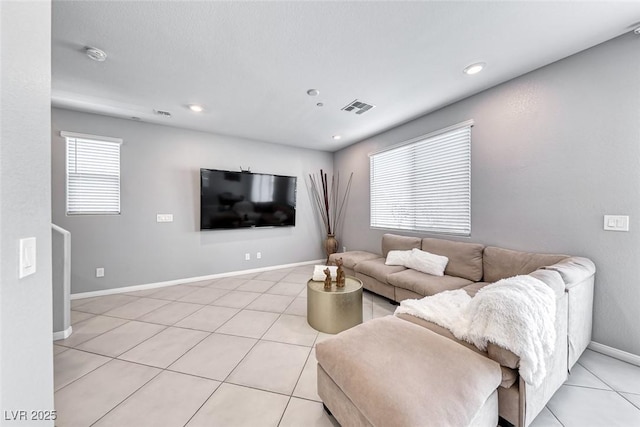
(330, 204)
(327, 278)
(318, 272)
(340, 277)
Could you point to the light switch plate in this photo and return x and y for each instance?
(27, 257)
(616, 222)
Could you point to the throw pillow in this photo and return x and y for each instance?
(397, 257)
(427, 262)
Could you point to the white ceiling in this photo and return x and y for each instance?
(251, 63)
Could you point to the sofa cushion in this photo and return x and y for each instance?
(501, 355)
(426, 262)
(465, 259)
(377, 269)
(425, 284)
(351, 258)
(473, 288)
(431, 379)
(501, 263)
(550, 278)
(396, 242)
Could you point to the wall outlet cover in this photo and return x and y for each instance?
(164, 217)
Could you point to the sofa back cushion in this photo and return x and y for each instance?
(501, 263)
(465, 259)
(396, 242)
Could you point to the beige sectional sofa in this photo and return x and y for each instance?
(471, 266)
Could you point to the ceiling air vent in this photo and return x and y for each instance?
(358, 106)
(162, 113)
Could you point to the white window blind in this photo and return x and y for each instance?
(424, 184)
(93, 174)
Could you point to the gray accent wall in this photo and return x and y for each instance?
(26, 357)
(160, 174)
(553, 151)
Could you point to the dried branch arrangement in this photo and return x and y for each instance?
(328, 200)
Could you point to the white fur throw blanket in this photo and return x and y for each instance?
(517, 313)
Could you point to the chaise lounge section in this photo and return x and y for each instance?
(471, 267)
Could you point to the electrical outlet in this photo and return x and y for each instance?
(344, 249)
(247, 256)
(164, 218)
(100, 272)
(258, 255)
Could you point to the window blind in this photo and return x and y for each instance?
(424, 184)
(93, 174)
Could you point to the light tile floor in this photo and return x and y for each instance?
(238, 352)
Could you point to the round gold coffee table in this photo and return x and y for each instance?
(335, 310)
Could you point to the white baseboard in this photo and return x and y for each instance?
(61, 335)
(615, 353)
(134, 288)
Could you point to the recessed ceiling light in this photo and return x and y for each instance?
(313, 92)
(336, 137)
(474, 68)
(196, 108)
(95, 53)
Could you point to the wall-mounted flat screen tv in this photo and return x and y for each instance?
(231, 200)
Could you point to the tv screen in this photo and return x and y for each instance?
(244, 199)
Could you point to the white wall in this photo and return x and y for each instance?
(552, 152)
(160, 173)
(26, 357)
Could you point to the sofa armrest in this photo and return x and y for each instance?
(551, 278)
(574, 270)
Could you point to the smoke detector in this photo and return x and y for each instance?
(358, 106)
(95, 53)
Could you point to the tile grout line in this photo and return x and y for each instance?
(552, 414)
(619, 393)
(126, 398)
(208, 334)
(203, 403)
(302, 371)
(89, 339)
(285, 410)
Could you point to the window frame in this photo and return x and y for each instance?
(413, 149)
(111, 181)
